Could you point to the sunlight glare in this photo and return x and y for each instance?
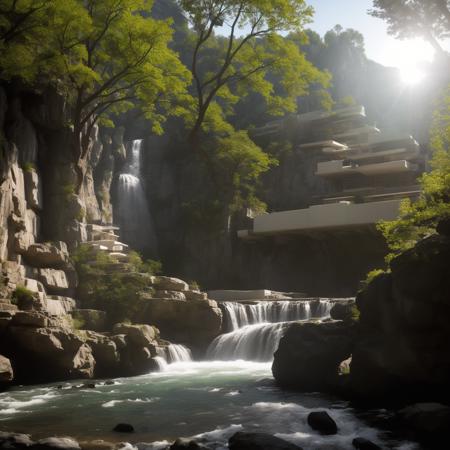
(410, 56)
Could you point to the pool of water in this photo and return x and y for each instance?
(209, 400)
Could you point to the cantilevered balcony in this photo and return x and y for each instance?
(342, 168)
(322, 217)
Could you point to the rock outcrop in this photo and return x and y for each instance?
(309, 355)
(400, 350)
(6, 371)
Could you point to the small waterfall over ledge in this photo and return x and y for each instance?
(132, 213)
(255, 328)
(178, 353)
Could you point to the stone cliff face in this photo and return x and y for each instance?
(195, 247)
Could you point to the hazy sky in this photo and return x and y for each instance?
(353, 14)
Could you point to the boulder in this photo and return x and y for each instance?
(196, 295)
(30, 319)
(428, 422)
(259, 441)
(92, 319)
(140, 335)
(48, 354)
(170, 295)
(15, 440)
(105, 352)
(343, 311)
(47, 255)
(56, 443)
(309, 355)
(186, 444)
(124, 428)
(171, 284)
(54, 280)
(322, 422)
(6, 371)
(202, 320)
(402, 328)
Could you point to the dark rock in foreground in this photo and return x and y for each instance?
(401, 352)
(259, 441)
(186, 444)
(124, 428)
(309, 355)
(322, 422)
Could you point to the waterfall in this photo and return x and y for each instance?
(239, 315)
(255, 329)
(178, 353)
(251, 342)
(132, 213)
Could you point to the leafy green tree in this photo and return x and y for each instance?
(242, 163)
(105, 55)
(247, 50)
(420, 218)
(410, 18)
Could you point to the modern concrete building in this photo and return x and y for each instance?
(367, 171)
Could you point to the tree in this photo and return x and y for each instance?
(106, 56)
(420, 218)
(410, 18)
(228, 67)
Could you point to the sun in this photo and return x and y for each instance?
(411, 58)
(412, 75)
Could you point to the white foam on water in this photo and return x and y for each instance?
(11, 405)
(113, 403)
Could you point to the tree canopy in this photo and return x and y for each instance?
(411, 18)
(236, 46)
(105, 56)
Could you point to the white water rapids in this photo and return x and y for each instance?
(255, 328)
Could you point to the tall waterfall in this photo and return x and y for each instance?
(132, 213)
(255, 329)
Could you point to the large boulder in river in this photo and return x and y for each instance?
(401, 349)
(194, 322)
(309, 355)
(259, 441)
(6, 370)
(49, 354)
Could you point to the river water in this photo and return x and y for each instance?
(210, 400)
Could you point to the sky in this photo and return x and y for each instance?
(380, 46)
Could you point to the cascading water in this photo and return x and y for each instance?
(178, 353)
(132, 213)
(255, 329)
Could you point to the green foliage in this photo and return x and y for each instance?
(241, 164)
(105, 56)
(420, 218)
(229, 67)
(149, 266)
(22, 295)
(372, 275)
(116, 292)
(28, 167)
(77, 321)
(193, 285)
